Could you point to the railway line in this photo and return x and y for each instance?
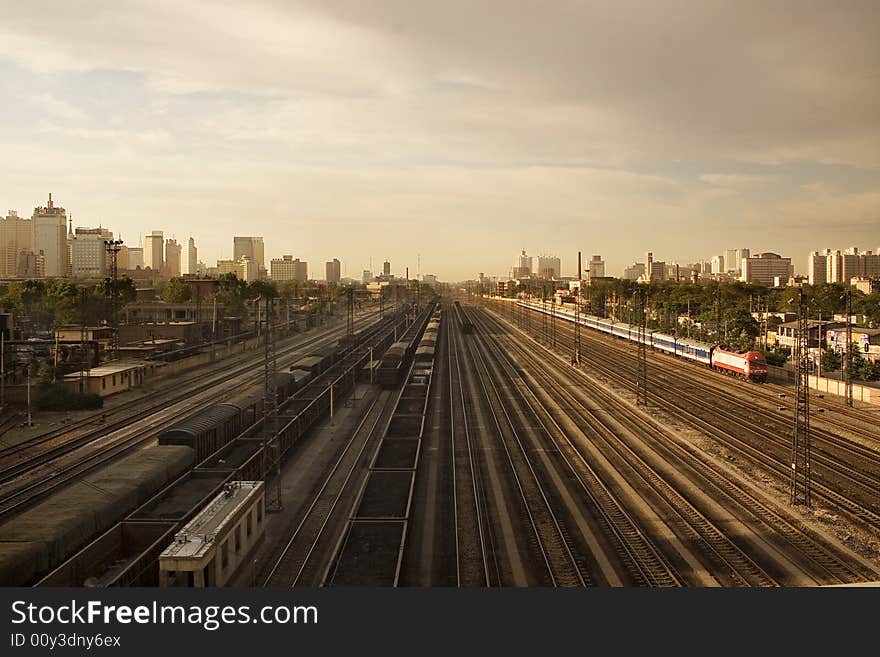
(301, 560)
(845, 473)
(32, 478)
(704, 498)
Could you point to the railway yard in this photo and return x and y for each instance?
(454, 444)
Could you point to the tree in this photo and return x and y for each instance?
(830, 360)
(176, 291)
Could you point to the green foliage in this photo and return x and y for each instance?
(831, 360)
(777, 357)
(176, 291)
(56, 397)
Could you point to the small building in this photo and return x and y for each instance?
(111, 378)
(865, 340)
(73, 333)
(787, 332)
(215, 544)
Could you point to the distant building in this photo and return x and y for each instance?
(367, 276)
(288, 269)
(135, 257)
(655, 270)
(190, 264)
(333, 271)
(817, 267)
(634, 271)
(548, 267)
(765, 268)
(173, 252)
(597, 267)
(252, 248)
(88, 254)
(154, 251)
(718, 264)
(386, 268)
(866, 284)
(50, 238)
(16, 236)
(523, 268)
(227, 267)
(429, 279)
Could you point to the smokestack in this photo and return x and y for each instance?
(579, 268)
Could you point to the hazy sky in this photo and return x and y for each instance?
(460, 130)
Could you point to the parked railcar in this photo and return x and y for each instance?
(391, 365)
(249, 405)
(205, 432)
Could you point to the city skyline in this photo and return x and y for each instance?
(552, 128)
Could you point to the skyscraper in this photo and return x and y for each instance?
(88, 254)
(386, 268)
(333, 271)
(16, 236)
(597, 267)
(252, 247)
(154, 251)
(173, 251)
(50, 238)
(190, 264)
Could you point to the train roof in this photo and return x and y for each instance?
(198, 424)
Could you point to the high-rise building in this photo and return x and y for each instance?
(135, 257)
(766, 268)
(548, 267)
(597, 267)
(190, 264)
(718, 264)
(16, 236)
(288, 269)
(88, 253)
(50, 238)
(252, 247)
(523, 267)
(173, 251)
(227, 267)
(634, 271)
(386, 268)
(367, 276)
(817, 267)
(333, 271)
(154, 251)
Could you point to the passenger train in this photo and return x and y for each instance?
(745, 364)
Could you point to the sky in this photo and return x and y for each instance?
(450, 134)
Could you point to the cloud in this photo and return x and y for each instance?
(59, 109)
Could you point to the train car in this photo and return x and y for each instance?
(424, 355)
(664, 342)
(249, 405)
(745, 364)
(390, 367)
(695, 350)
(205, 432)
(463, 319)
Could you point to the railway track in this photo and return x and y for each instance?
(26, 453)
(853, 465)
(476, 560)
(47, 476)
(296, 564)
(657, 450)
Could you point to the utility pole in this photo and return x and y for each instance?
(848, 364)
(349, 326)
(801, 478)
(642, 369)
(270, 411)
(576, 358)
(113, 247)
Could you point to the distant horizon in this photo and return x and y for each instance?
(393, 130)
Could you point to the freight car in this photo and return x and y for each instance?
(205, 432)
(462, 318)
(392, 363)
